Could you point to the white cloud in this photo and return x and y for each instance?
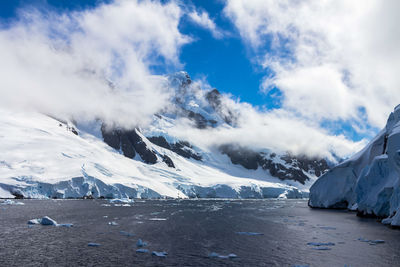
(202, 19)
(330, 58)
(276, 130)
(60, 63)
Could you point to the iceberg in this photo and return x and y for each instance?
(368, 182)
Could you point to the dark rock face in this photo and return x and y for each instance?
(242, 156)
(127, 147)
(147, 155)
(168, 161)
(159, 141)
(112, 137)
(181, 148)
(214, 99)
(129, 142)
(294, 169)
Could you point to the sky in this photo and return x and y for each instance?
(327, 67)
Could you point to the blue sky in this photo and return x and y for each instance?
(225, 63)
(326, 67)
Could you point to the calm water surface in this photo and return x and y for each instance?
(189, 230)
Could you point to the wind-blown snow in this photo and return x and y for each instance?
(42, 158)
(369, 181)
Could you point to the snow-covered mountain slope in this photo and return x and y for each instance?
(42, 157)
(45, 157)
(369, 181)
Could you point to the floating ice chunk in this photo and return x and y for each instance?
(47, 221)
(375, 242)
(113, 223)
(94, 245)
(43, 221)
(157, 219)
(213, 255)
(121, 201)
(216, 255)
(11, 202)
(249, 233)
(162, 254)
(65, 225)
(105, 205)
(321, 248)
(371, 242)
(318, 244)
(362, 239)
(34, 221)
(142, 250)
(140, 243)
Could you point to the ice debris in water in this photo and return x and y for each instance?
(162, 254)
(11, 202)
(142, 250)
(318, 244)
(48, 221)
(112, 223)
(94, 245)
(121, 201)
(216, 255)
(140, 243)
(65, 225)
(249, 233)
(371, 242)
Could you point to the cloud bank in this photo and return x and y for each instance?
(273, 130)
(332, 60)
(99, 63)
(91, 64)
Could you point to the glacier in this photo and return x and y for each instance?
(42, 158)
(369, 181)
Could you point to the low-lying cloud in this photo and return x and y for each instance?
(91, 64)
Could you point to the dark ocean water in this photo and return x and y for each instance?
(189, 231)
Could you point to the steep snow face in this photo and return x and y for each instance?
(369, 181)
(42, 157)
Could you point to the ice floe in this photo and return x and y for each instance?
(48, 221)
(140, 243)
(217, 255)
(94, 245)
(371, 242)
(11, 202)
(142, 250)
(161, 254)
(249, 233)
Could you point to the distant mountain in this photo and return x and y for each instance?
(369, 182)
(47, 157)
